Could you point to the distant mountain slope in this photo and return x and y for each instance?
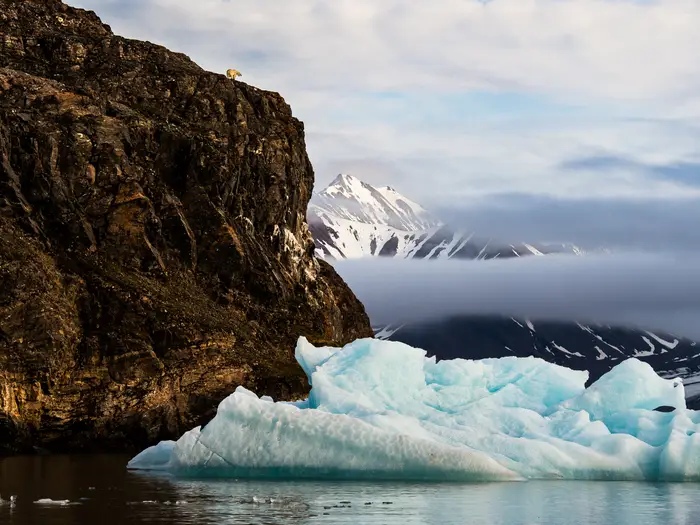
(351, 219)
(583, 347)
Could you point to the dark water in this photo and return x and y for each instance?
(102, 492)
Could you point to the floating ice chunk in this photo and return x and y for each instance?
(11, 502)
(253, 438)
(380, 409)
(49, 501)
(157, 456)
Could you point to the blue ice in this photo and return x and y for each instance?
(383, 410)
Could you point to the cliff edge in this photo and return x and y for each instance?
(154, 253)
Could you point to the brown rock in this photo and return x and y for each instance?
(154, 253)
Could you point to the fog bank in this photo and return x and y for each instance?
(651, 291)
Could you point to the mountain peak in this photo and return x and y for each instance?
(344, 178)
(351, 218)
(343, 185)
(353, 199)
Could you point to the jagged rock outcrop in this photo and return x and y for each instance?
(154, 252)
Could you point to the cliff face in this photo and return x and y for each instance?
(154, 253)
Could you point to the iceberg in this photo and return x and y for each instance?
(383, 410)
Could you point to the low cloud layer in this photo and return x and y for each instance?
(656, 292)
(615, 224)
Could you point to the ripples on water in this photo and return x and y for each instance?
(99, 491)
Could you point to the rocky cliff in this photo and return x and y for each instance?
(154, 253)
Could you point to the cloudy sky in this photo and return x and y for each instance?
(554, 120)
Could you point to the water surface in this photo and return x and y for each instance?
(102, 492)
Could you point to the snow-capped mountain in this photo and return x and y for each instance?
(351, 199)
(351, 219)
(574, 345)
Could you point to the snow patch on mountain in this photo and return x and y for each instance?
(349, 198)
(351, 219)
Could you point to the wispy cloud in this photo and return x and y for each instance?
(627, 50)
(616, 224)
(649, 291)
(460, 97)
(684, 172)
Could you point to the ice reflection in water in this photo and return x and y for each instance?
(101, 492)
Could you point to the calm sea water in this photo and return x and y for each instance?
(101, 492)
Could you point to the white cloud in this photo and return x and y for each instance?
(628, 50)
(439, 166)
(616, 59)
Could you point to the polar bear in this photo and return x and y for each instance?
(233, 73)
